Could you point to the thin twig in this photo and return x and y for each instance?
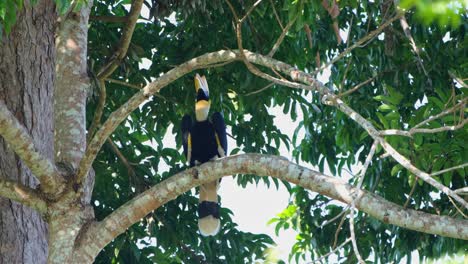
(443, 113)
(250, 10)
(416, 128)
(260, 90)
(276, 15)
(406, 29)
(460, 81)
(345, 75)
(439, 129)
(254, 69)
(462, 191)
(358, 43)
(363, 170)
(355, 88)
(309, 35)
(411, 193)
(331, 252)
(124, 84)
(353, 235)
(281, 37)
(458, 209)
(140, 87)
(361, 176)
(449, 169)
(345, 210)
(118, 153)
(338, 229)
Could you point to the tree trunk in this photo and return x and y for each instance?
(27, 59)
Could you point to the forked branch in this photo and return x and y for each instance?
(19, 140)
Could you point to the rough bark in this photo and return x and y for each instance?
(101, 233)
(26, 86)
(68, 215)
(71, 92)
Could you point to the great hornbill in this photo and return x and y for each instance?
(205, 140)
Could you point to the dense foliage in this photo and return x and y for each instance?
(407, 88)
(331, 138)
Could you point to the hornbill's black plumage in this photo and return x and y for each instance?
(204, 140)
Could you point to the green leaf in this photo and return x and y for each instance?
(387, 108)
(396, 169)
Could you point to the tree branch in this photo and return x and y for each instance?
(121, 51)
(441, 114)
(359, 42)
(355, 88)
(109, 19)
(411, 132)
(22, 194)
(333, 100)
(439, 129)
(124, 84)
(114, 62)
(260, 90)
(449, 169)
(463, 191)
(331, 252)
(406, 29)
(224, 56)
(276, 15)
(281, 37)
(20, 141)
(101, 233)
(353, 235)
(250, 10)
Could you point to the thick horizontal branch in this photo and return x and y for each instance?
(101, 233)
(22, 194)
(20, 141)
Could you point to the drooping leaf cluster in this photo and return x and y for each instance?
(407, 89)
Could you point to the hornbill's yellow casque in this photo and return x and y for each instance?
(204, 140)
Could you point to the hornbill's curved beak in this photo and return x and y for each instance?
(201, 87)
(202, 106)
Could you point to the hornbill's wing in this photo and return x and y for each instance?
(186, 126)
(220, 128)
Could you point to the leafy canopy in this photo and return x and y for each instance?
(406, 89)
